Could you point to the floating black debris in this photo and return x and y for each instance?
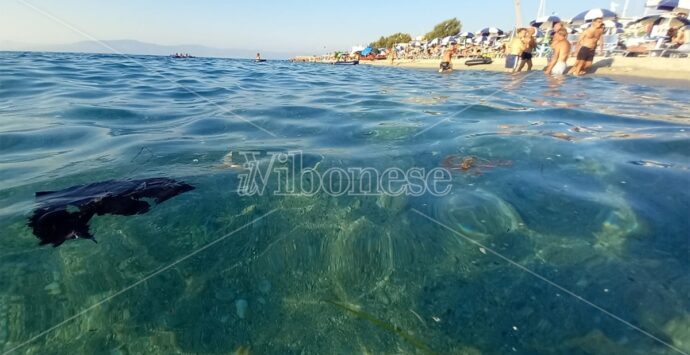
(65, 214)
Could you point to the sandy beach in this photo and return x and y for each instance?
(672, 71)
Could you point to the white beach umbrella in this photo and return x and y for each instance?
(545, 22)
(491, 31)
(592, 14)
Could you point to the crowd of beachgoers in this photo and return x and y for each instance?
(596, 32)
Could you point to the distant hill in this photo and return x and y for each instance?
(142, 48)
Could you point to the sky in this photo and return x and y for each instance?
(308, 26)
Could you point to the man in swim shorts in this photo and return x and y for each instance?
(587, 47)
(561, 52)
(447, 61)
(515, 49)
(531, 44)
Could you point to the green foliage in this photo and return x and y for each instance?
(390, 41)
(444, 29)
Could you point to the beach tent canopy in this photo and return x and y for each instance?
(671, 20)
(590, 15)
(491, 31)
(545, 22)
(674, 5)
(369, 50)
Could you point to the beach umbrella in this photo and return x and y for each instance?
(467, 35)
(672, 20)
(673, 5)
(545, 22)
(612, 24)
(449, 39)
(491, 31)
(434, 42)
(590, 15)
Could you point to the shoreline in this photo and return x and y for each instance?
(630, 70)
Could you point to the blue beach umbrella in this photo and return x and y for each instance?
(673, 5)
(545, 22)
(590, 15)
(434, 42)
(466, 35)
(491, 31)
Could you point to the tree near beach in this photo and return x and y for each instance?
(392, 40)
(444, 29)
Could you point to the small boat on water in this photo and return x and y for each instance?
(350, 62)
(181, 56)
(259, 60)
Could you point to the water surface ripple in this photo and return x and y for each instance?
(592, 194)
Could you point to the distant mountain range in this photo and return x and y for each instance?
(141, 48)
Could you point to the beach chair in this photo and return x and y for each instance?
(543, 50)
(610, 44)
(681, 52)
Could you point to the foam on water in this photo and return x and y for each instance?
(593, 195)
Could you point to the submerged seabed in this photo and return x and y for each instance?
(595, 199)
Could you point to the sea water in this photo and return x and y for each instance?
(565, 232)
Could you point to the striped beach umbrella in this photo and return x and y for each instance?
(590, 15)
(491, 31)
(466, 35)
(545, 22)
(673, 5)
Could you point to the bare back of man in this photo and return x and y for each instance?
(561, 52)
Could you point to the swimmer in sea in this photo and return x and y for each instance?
(561, 51)
(447, 61)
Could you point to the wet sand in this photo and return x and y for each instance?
(655, 71)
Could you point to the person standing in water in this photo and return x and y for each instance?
(447, 61)
(590, 39)
(530, 44)
(258, 56)
(561, 52)
(515, 49)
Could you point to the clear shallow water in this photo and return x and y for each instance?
(595, 199)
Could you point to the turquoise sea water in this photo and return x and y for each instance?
(579, 216)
